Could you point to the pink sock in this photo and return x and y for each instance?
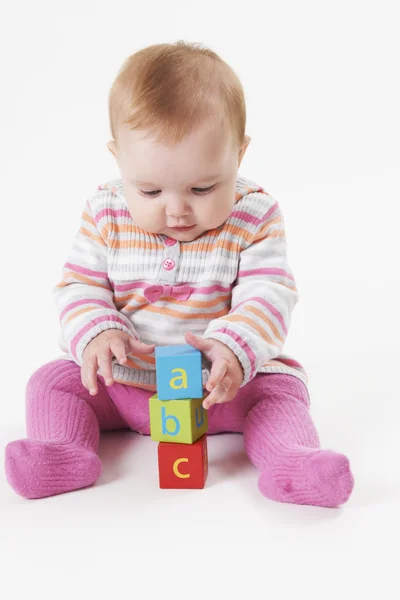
(61, 452)
(281, 440)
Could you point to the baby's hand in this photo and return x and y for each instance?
(99, 352)
(226, 372)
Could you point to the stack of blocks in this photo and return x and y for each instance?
(178, 420)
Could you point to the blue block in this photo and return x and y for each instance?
(178, 372)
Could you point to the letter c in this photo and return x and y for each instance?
(176, 468)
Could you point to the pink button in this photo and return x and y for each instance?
(168, 264)
(169, 242)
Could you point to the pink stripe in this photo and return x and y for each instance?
(85, 301)
(82, 332)
(126, 287)
(243, 216)
(266, 271)
(269, 213)
(210, 289)
(109, 212)
(250, 354)
(240, 214)
(84, 271)
(267, 305)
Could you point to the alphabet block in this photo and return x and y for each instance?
(183, 421)
(182, 465)
(178, 372)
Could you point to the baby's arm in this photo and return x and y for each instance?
(263, 298)
(84, 296)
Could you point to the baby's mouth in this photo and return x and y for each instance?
(186, 228)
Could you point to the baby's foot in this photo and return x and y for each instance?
(39, 469)
(308, 476)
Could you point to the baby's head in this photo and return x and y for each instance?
(177, 116)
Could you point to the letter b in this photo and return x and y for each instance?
(164, 419)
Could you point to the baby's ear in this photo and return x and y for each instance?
(111, 145)
(247, 140)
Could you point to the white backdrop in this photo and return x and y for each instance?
(321, 82)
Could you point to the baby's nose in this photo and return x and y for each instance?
(177, 208)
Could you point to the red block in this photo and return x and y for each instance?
(183, 465)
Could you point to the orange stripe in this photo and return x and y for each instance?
(263, 316)
(262, 332)
(133, 365)
(128, 297)
(181, 315)
(120, 228)
(293, 288)
(274, 234)
(82, 278)
(268, 224)
(229, 245)
(150, 360)
(244, 234)
(129, 228)
(81, 311)
(240, 231)
(89, 219)
(199, 303)
(131, 243)
(130, 309)
(92, 236)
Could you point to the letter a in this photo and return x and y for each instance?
(182, 377)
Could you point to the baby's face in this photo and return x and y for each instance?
(183, 190)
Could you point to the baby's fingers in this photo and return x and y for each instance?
(89, 374)
(105, 365)
(118, 348)
(221, 393)
(140, 347)
(218, 371)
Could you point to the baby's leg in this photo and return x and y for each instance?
(281, 440)
(132, 404)
(63, 423)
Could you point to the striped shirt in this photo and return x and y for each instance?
(232, 284)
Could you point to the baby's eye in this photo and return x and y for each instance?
(152, 193)
(197, 190)
(204, 190)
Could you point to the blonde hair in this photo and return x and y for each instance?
(170, 89)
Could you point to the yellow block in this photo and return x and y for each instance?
(183, 421)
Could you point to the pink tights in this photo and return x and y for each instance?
(64, 424)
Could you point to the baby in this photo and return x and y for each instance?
(180, 249)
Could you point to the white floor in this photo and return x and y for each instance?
(126, 537)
